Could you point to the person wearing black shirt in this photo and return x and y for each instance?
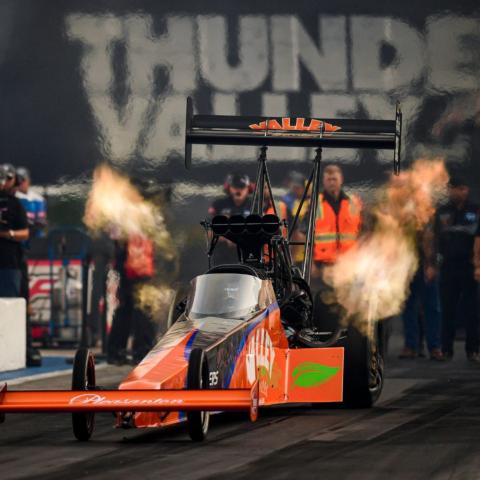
(476, 256)
(237, 198)
(13, 231)
(236, 202)
(456, 224)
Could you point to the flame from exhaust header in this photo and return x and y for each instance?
(371, 281)
(115, 206)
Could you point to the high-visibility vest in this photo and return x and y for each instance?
(335, 234)
(140, 258)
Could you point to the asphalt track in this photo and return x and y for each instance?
(426, 426)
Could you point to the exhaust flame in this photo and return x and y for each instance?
(371, 281)
(154, 299)
(115, 206)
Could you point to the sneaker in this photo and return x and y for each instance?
(437, 355)
(408, 354)
(473, 357)
(34, 358)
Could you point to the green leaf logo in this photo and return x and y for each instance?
(309, 374)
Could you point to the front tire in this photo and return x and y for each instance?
(197, 378)
(83, 379)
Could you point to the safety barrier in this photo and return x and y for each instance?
(13, 318)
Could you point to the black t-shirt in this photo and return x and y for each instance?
(12, 217)
(226, 206)
(455, 232)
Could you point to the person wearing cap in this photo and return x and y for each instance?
(33, 202)
(456, 223)
(13, 231)
(288, 206)
(35, 208)
(10, 177)
(237, 188)
(236, 201)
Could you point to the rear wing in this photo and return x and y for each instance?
(292, 132)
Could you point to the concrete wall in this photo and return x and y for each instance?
(12, 333)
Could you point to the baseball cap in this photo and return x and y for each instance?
(239, 180)
(22, 174)
(9, 170)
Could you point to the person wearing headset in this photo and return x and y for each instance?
(236, 201)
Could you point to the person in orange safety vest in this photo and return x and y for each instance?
(338, 220)
(337, 226)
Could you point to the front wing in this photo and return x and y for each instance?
(129, 400)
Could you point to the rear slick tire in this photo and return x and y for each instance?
(364, 368)
(197, 379)
(83, 379)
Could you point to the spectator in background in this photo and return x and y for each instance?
(13, 231)
(290, 202)
(10, 178)
(476, 257)
(423, 293)
(288, 207)
(456, 224)
(33, 203)
(35, 208)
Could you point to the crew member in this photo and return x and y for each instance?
(13, 230)
(456, 224)
(338, 219)
(134, 261)
(424, 292)
(10, 178)
(33, 203)
(290, 202)
(35, 208)
(337, 226)
(476, 256)
(237, 201)
(288, 206)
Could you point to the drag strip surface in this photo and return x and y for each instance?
(427, 425)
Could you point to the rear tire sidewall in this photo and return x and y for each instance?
(197, 379)
(363, 382)
(83, 379)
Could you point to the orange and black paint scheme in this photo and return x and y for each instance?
(214, 358)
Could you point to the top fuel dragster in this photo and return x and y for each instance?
(244, 335)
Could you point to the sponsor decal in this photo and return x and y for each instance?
(260, 355)
(310, 374)
(213, 378)
(300, 125)
(96, 399)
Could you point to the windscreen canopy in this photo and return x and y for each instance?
(226, 295)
